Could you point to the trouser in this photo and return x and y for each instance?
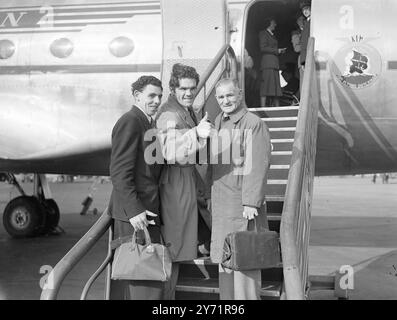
(239, 285)
(136, 290)
(170, 285)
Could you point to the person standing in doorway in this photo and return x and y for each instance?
(306, 11)
(268, 44)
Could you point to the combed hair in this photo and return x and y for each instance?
(227, 81)
(267, 21)
(181, 71)
(144, 81)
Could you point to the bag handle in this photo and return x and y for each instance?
(114, 244)
(148, 240)
(255, 225)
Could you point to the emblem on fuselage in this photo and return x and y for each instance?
(357, 65)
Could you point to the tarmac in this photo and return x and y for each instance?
(354, 222)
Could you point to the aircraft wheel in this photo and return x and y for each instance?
(23, 217)
(53, 215)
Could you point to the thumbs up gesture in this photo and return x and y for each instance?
(204, 127)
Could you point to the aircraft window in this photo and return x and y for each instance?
(62, 48)
(7, 49)
(121, 47)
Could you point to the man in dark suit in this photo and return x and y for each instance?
(306, 11)
(134, 203)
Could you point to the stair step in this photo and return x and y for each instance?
(281, 134)
(275, 119)
(276, 112)
(282, 129)
(281, 141)
(282, 146)
(281, 124)
(280, 159)
(278, 182)
(211, 286)
(282, 153)
(277, 174)
(273, 217)
(275, 189)
(280, 167)
(275, 198)
(271, 109)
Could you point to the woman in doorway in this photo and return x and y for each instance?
(268, 44)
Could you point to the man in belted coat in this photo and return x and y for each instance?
(134, 203)
(181, 136)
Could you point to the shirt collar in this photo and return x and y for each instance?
(270, 32)
(149, 118)
(235, 116)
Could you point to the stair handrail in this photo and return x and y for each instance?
(73, 257)
(230, 67)
(295, 219)
(70, 260)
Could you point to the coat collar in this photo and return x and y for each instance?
(235, 116)
(270, 32)
(141, 114)
(187, 115)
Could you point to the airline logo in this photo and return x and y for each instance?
(357, 65)
(70, 18)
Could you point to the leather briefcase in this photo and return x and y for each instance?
(251, 250)
(133, 261)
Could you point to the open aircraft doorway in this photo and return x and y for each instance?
(285, 13)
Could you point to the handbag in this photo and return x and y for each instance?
(133, 261)
(251, 250)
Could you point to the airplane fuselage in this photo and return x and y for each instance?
(66, 71)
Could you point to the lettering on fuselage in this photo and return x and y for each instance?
(11, 19)
(346, 21)
(70, 18)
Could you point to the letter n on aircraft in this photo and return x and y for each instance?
(11, 19)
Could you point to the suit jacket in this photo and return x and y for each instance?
(304, 41)
(135, 182)
(268, 45)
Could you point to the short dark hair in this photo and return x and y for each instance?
(267, 21)
(305, 3)
(144, 81)
(181, 71)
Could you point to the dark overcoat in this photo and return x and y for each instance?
(268, 45)
(304, 41)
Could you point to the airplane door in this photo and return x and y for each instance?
(193, 33)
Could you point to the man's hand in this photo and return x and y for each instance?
(140, 221)
(250, 212)
(282, 50)
(204, 127)
(208, 202)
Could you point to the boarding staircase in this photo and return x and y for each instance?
(293, 131)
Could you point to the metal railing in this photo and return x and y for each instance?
(70, 260)
(295, 220)
(229, 69)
